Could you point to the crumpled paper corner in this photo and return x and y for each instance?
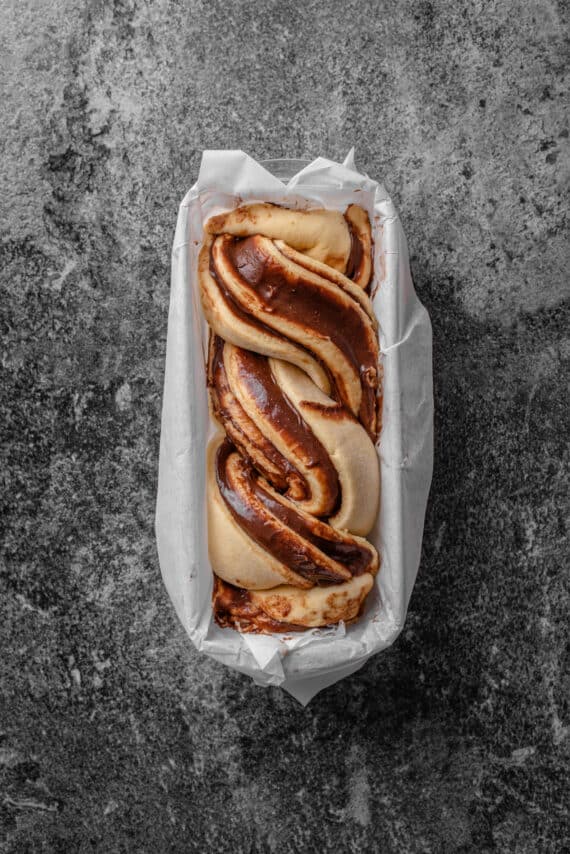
(307, 662)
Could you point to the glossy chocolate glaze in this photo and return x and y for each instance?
(275, 538)
(255, 375)
(321, 311)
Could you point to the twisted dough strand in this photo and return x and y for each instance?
(284, 299)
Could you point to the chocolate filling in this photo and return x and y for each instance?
(350, 554)
(261, 528)
(255, 376)
(252, 321)
(321, 311)
(236, 309)
(356, 253)
(233, 608)
(234, 419)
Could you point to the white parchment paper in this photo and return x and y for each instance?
(307, 662)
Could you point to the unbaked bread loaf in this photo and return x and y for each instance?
(293, 482)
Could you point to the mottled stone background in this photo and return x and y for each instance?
(115, 735)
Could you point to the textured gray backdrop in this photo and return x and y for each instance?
(115, 736)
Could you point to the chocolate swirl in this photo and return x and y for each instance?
(264, 296)
(310, 550)
(304, 443)
(310, 473)
(294, 382)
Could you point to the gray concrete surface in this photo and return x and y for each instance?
(115, 736)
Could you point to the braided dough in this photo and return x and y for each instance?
(293, 480)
